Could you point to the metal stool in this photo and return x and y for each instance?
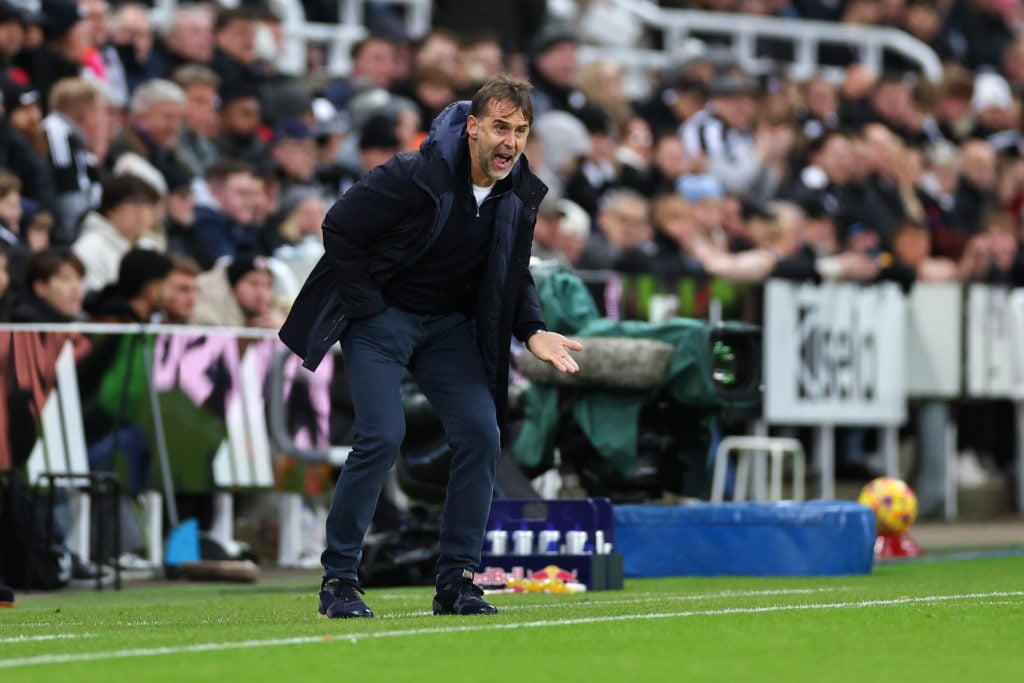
(775, 449)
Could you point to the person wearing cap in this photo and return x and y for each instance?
(554, 70)
(426, 271)
(23, 145)
(744, 159)
(238, 294)
(293, 151)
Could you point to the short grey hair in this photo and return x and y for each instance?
(156, 91)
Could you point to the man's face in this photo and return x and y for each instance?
(162, 122)
(192, 36)
(237, 197)
(241, 116)
(253, 292)
(377, 63)
(496, 142)
(296, 157)
(201, 110)
(238, 40)
(62, 291)
(559, 64)
(180, 293)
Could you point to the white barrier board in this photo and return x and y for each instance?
(833, 354)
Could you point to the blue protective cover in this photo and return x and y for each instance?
(813, 538)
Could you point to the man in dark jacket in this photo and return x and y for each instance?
(426, 270)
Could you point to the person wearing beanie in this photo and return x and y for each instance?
(127, 211)
(554, 70)
(239, 294)
(137, 294)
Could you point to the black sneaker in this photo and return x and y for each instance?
(6, 595)
(339, 599)
(461, 596)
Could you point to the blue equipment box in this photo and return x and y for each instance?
(814, 538)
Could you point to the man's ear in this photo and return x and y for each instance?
(472, 127)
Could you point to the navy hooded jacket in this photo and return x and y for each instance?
(388, 221)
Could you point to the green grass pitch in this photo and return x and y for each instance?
(956, 620)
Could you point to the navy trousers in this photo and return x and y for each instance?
(441, 354)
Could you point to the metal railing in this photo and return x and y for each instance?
(678, 26)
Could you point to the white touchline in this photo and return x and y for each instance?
(50, 636)
(355, 638)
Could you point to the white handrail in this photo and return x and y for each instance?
(679, 25)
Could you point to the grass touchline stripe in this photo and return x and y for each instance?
(354, 638)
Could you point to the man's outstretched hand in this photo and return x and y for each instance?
(554, 348)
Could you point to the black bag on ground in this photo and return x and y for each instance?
(28, 558)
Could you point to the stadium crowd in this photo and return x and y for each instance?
(184, 139)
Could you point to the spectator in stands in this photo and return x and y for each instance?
(12, 32)
(116, 409)
(598, 172)
(603, 84)
(6, 297)
(12, 242)
(953, 106)
(179, 220)
(994, 111)
(181, 290)
(189, 40)
(299, 224)
(976, 191)
(225, 219)
(911, 259)
(101, 61)
(561, 231)
(131, 34)
(239, 294)
(54, 292)
(994, 255)
(634, 153)
(565, 143)
(239, 127)
(818, 112)
(154, 126)
(623, 232)
(23, 146)
(78, 132)
(983, 25)
(480, 57)
(432, 89)
(38, 226)
(374, 65)
(294, 153)
(554, 70)
(195, 147)
(745, 160)
(126, 212)
(67, 39)
(514, 22)
(234, 54)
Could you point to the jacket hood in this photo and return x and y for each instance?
(448, 134)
